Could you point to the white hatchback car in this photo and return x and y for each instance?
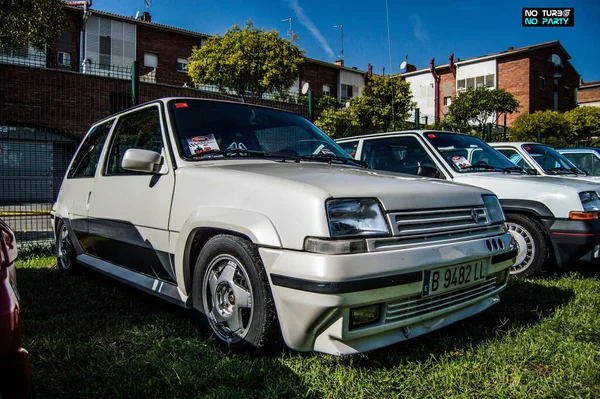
(542, 160)
(551, 219)
(258, 221)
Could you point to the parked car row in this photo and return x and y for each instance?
(553, 221)
(261, 223)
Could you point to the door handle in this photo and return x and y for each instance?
(87, 204)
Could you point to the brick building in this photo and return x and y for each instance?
(336, 80)
(540, 77)
(589, 94)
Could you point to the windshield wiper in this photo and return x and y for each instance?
(334, 159)
(495, 168)
(559, 170)
(249, 153)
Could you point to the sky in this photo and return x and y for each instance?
(419, 29)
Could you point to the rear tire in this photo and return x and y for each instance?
(66, 257)
(231, 293)
(532, 244)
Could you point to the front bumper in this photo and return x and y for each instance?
(574, 240)
(314, 293)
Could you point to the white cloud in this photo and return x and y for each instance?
(308, 24)
(418, 30)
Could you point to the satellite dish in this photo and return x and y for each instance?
(403, 65)
(305, 87)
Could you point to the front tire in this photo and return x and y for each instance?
(66, 257)
(232, 294)
(532, 244)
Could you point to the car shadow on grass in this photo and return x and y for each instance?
(91, 336)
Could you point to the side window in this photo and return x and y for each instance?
(515, 158)
(586, 162)
(349, 147)
(136, 130)
(86, 160)
(396, 154)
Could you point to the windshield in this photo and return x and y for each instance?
(467, 154)
(236, 129)
(551, 161)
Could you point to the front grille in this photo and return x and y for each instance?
(409, 308)
(437, 221)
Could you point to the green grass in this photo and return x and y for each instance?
(90, 336)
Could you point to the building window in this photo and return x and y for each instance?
(542, 83)
(566, 91)
(109, 43)
(470, 83)
(477, 81)
(151, 60)
(326, 90)
(64, 58)
(347, 92)
(447, 100)
(182, 65)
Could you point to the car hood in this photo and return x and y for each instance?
(560, 195)
(395, 191)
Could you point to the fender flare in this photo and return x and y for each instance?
(534, 208)
(256, 226)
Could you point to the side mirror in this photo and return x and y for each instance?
(428, 171)
(138, 160)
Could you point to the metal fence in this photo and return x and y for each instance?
(46, 108)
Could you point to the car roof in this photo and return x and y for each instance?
(398, 133)
(579, 149)
(514, 143)
(165, 100)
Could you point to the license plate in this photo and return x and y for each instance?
(444, 279)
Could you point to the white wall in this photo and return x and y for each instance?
(422, 87)
(476, 69)
(356, 79)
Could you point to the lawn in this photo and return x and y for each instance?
(90, 336)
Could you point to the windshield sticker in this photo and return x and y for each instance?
(326, 151)
(181, 105)
(460, 161)
(201, 144)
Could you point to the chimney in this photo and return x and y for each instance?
(382, 71)
(511, 48)
(146, 17)
(410, 68)
(339, 63)
(451, 63)
(580, 81)
(370, 70)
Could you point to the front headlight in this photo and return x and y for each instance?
(356, 217)
(493, 209)
(590, 201)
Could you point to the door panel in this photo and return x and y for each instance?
(79, 183)
(129, 211)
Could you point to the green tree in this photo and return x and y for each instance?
(335, 122)
(553, 127)
(372, 111)
(585, 123)
(249, 61)
(480, 105)
(35, 22)
(328, 102)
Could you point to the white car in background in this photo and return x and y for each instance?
(552, 220)
(542, 160)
